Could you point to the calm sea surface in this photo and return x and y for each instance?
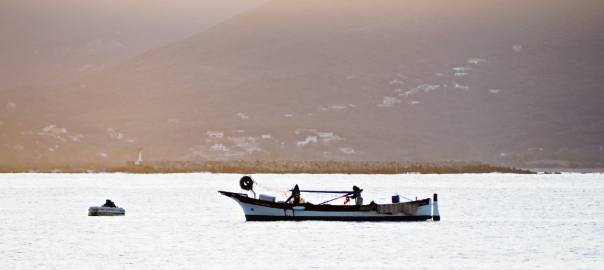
(180, 221)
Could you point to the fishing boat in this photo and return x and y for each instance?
(267, 208)
(107, 209)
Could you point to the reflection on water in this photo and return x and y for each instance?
(181, 221)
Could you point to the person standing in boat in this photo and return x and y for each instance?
(295, 195)
(109, 203)
(356, 195)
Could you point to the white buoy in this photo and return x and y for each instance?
(435, 213)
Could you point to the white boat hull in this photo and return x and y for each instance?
(259, 210)
(106, 211)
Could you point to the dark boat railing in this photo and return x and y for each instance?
(338, 192)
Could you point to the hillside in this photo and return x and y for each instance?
(352, 80)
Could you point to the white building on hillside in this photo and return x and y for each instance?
(388, 102)
(346, 150)
(462, 68)
(476, 60)
(215, 134)
(325, 134)
(308, 140)
(462, 87)
(218, 147)
(395, 82)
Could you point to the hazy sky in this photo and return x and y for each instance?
(40, 36)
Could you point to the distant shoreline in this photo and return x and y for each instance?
(285, 167)
(567, 170)
(274, 167)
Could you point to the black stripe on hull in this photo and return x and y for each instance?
(308, 207)
(334, 218)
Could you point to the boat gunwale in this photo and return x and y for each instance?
(309, 206)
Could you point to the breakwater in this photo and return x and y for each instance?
(318, 167)
(257, 166)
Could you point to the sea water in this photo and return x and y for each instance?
(180, 221)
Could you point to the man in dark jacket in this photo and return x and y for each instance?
(109, 203)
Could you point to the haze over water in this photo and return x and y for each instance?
(181, 221)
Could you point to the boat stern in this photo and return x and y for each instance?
(435, 213)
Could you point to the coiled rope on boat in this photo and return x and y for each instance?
(246, 183)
